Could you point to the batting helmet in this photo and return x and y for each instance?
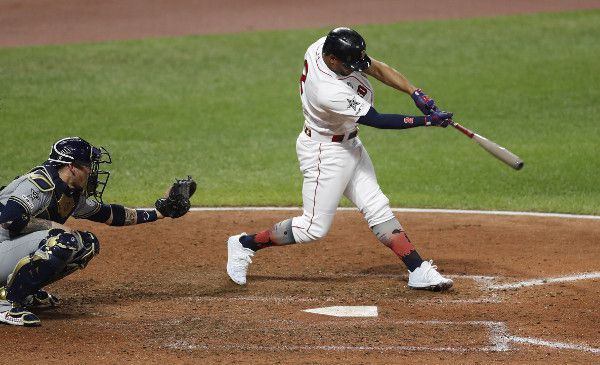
(349, 46)
(75, 150)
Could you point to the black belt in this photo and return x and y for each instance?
(336, 137)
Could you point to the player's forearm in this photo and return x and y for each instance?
(390, 76)
(123, 216)
(390, 121)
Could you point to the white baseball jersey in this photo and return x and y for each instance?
(332, 103)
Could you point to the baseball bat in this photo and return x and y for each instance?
(496, 150)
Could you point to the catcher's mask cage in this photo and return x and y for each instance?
(349, 47)
(75, 150)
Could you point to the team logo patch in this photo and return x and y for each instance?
(34, 195)
(352, 104)
(409, 120)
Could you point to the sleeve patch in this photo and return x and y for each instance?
(41, 180)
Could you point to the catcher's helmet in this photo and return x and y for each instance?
(349, 46)
(75, 150)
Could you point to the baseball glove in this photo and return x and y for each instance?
(177, 202)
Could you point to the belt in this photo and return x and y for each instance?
(329, 137)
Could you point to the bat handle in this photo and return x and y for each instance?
(462, 129)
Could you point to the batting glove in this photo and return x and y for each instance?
(425, 104)
(438, 118)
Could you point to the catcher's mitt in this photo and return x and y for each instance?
(177, 202)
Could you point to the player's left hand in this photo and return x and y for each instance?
(425, 104)
(438, 118)
(177, 200)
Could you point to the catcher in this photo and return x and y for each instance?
(37, 249)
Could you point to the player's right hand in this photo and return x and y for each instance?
(438, 118)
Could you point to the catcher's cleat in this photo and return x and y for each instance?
(41, 299)
(18, 316)
(238, 259)
(426, 277)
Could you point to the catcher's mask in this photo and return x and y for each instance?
(75, 150)
(349, 47)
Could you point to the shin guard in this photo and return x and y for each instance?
(59, 254)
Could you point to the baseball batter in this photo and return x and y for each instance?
(336, 97)
(36, 248)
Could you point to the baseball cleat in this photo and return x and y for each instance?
(41, 299)
(238, 259)
(18, 316)
(426, 277)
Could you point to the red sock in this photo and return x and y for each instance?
(402, 247)
(257, 241)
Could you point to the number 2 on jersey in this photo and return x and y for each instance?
(303, 77)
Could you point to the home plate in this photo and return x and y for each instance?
(346, 311)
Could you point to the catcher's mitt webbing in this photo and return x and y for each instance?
(177, 203)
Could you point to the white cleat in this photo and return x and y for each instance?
(426, 277)
(238, 259)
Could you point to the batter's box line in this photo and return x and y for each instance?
(488, 281)
(497, 334)
(544, 281)
(499, 338)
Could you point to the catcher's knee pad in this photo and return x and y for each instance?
(88, 247)
(385, 230)
(55, 258)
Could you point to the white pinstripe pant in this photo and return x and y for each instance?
(333, 169)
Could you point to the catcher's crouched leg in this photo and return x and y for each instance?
(58, 255)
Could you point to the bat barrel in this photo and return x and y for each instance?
(494, 149)
(499, 152)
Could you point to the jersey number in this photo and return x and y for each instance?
(303, 77)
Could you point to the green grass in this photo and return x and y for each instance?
(225, 109)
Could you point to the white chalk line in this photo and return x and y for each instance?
(553, 344)
(499, 338)
(291, 299)
(497, 331)
(186, 345)
(484, 282)
(544, 281)
(410, 210)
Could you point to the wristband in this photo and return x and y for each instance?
(146, 215)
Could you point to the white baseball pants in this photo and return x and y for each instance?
(333, 169)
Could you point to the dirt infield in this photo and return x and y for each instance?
(35, 22)
(160, 293)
